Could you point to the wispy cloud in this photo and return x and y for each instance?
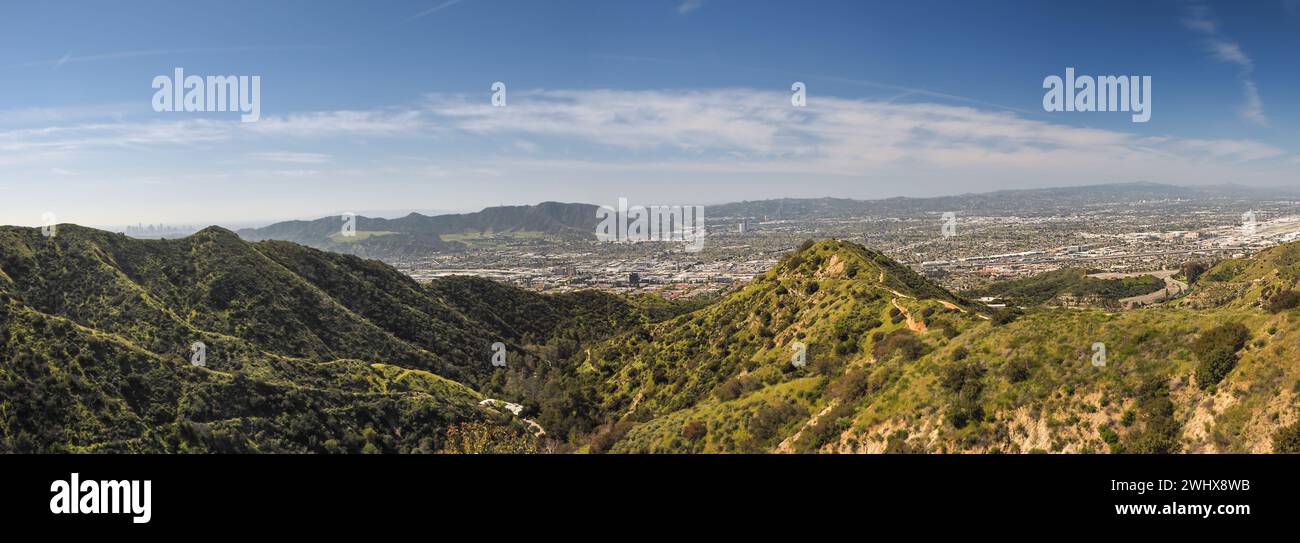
(434, 9)
(730, 127)
(69, 58)
(731, 131)
(688, 6)
(291, 157)
(1200, 19)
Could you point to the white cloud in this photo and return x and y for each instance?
(291, 158)
(1230, 51)
(698, 133)
(434, 9)
(688, 6)
(1200, 19)
(1253, 109)
(734, 126)
(336, 123)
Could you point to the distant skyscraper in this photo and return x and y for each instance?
(634, 280)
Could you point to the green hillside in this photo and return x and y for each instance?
(720, 380)
(837, 348)
(305, 350)
(1071, 284)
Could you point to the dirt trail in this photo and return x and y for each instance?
(892, 291)
(514, 409)
(787, 445)
(915, 325)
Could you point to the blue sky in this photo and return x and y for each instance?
(386, 104)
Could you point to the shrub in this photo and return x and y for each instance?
(1193, 271)
(1282, 301)
(771, 417)
(853, 385)
(1232, 336)
(1215, 367)
(1018, 370)
(902, 341)
(735, 388)
(1287, 439)
(1217, 351)
(1005, 316)
(1108, 435)
(484, 438)
(964, 383)
(1159, 434)
(607, 435)
(694, 430)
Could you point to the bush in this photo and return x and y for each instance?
(902, 341)
(1018, 370)
(1194, 270)
(1005, 316)
(964, 383)
(1108, 435)
(1215, 367)
(607, 435)
(1231, 336)
(853, 385)
(1287, 439)
(771, 417)
(1159, 434)
(694, 430)
(483, 438)
(1282, 301)
(1217, 351)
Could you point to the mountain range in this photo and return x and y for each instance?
(837, 348)
(417, 234)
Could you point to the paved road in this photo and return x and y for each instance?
(1173, 287)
